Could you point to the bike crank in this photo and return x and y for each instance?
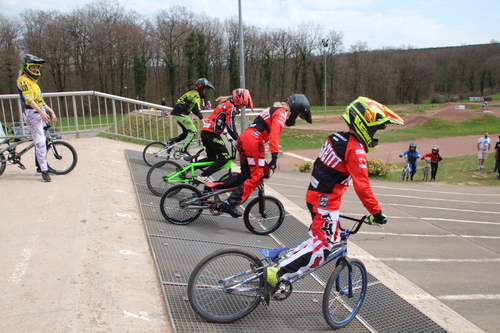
(215, 208)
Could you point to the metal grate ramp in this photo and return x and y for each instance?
(178, 248)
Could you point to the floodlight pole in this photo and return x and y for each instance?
(325, 44)
(242, 67)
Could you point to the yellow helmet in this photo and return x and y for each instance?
(365, 116)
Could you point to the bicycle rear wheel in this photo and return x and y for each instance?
(264, 217)
(212, 288)
(61, 157)
(341, 303)
(178, 204)
(155, 179)
(155, 152)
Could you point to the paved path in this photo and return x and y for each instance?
(75, 256)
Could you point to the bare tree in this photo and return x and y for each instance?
(10, 34)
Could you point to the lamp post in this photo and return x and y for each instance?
(325, 44)
(242, 66)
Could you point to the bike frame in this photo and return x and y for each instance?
(170, 146)
(12, 148)
(193, 203)
(339, 251)
(175, 177)
(16, 159)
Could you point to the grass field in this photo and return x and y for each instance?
(460, 170)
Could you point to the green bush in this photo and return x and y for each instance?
(377, 168)
(304, 166)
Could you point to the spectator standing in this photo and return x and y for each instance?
(497, 153)
(137, 106)
(483, 146)
(163, 103)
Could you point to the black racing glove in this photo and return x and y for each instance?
(274, 159)
(378, 218)
(200, 116)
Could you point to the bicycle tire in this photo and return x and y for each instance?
(155, 179)
(403, 174)
(425, 174)
(3, 165)
(61, 157)
(173, 207)
(205, 290)
(269, 221)
(155, 152)
(339, 308)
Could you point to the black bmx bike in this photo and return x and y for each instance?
(61, 156)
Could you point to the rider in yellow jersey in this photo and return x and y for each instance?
(36, 111)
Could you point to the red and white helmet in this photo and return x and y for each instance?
(436, 148)
(241, 97)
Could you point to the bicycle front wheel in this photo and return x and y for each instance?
(155, 179)
(264, 215)
(344, 293)
(179, 205)
(213, 288)
(3, 165)
(425, 174)
(61, 157)
(403, 175)
(155, 152)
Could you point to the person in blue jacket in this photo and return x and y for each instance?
(412, 155)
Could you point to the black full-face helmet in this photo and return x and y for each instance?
(299, 106)
(202, 84)
(29, 60)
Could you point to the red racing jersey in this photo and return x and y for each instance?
(221, 118)
(434, 157)
(268, 127)
(341, 161)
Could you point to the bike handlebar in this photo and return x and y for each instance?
(359, 222)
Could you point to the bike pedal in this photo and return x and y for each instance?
(21, 166)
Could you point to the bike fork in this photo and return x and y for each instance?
(54, 150)
(262, 201)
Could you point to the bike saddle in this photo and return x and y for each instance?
(273, 253)
(213, 185)
(190, 158)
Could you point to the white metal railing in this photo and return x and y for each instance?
(92, 111)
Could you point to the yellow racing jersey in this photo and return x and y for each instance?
(29, 91)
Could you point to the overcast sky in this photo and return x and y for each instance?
(379, 23)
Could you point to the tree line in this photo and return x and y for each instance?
(104, 47)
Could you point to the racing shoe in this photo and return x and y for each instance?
(270, 283)
(206, 179)
(230, 209)
(46, 176)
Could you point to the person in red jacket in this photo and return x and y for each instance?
(220, 121)
(266, 127)
(341, 161)
(435, 159)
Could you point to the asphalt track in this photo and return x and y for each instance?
(75, 256)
